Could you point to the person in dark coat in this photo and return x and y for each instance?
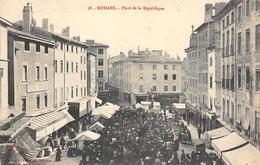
(183, 157)
(84, 125)
(62, 142)
(58, 154)
(199, 132)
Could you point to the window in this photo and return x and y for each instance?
(81, 91)
(67, 67)
(100, 86)
(45, 100)
(223, 44)
(141, 67)
(239, 43)
(100, 73)
(38, 102)
(85, 89)
(248, 40)
(173, 67)
(81, 75)
(84, 59)
(227, 46)
(61, 66)
(227, 20)
(247, 77)
(141, 76)
(67, 47)
(77, 68)
(232, 77)
(24, 104)
(100, 51)
(223, 23)
(84, 75)
(37, 72)
(61, 46)
(25, 74)
(71, 92)
(71, 48)
(45, 73)
(76, 49)
(210, 82)
(38, 47)
(154, 67)
(232, 41)
(232, 17)
(46, 49)
(165, 76)
(77, 91)
(174, 76)
(247, 7)
(154, 87)
(257, 5)
(165, 88)
(100, 62)
(165, 67)
(239, 77)
(154, 76)
(26, 46)
(141, 88)
(257, 37)
(55, 64)
(257, 79)
(72, 67)
(174, 88)
(239, 14)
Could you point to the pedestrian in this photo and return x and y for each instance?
(183, 156)
(199, 132)
(62, 142)
(58, 154)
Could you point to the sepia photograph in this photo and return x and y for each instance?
(129, 82)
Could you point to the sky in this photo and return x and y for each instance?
(122, 30)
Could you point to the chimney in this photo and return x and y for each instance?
(45, 24)
(77, 38)
(27, 18)
(52, 27)
(219, 6)
(66, 32)
(208, 12)
(90, 42)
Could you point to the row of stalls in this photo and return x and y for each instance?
(232, 148)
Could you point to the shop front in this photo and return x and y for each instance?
(80, 107)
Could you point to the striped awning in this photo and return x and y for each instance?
(46, 124)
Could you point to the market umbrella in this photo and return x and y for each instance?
(97, 126)
(88, 136)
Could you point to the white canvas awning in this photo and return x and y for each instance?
(97, 100)
(138, 105)
(217, 133)
(246, 155)
(97, 126)
(108, 104)
(179, 105)
(228, 142)
(87, 135)
(103, 112)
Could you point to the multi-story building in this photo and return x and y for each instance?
(100, 50)
(4, 107)
(240, 28)
(137, 74)
(201, 94)
(183, 76)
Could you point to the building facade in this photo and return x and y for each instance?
(100, 50)
(4, 106)
(137, 75)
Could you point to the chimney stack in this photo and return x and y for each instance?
(45, 24)
(52, 27)
(208, 12)
(66, 32)
(90, 42)
(77, 38)
(27, 18)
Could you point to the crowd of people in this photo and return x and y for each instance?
(132, 137)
